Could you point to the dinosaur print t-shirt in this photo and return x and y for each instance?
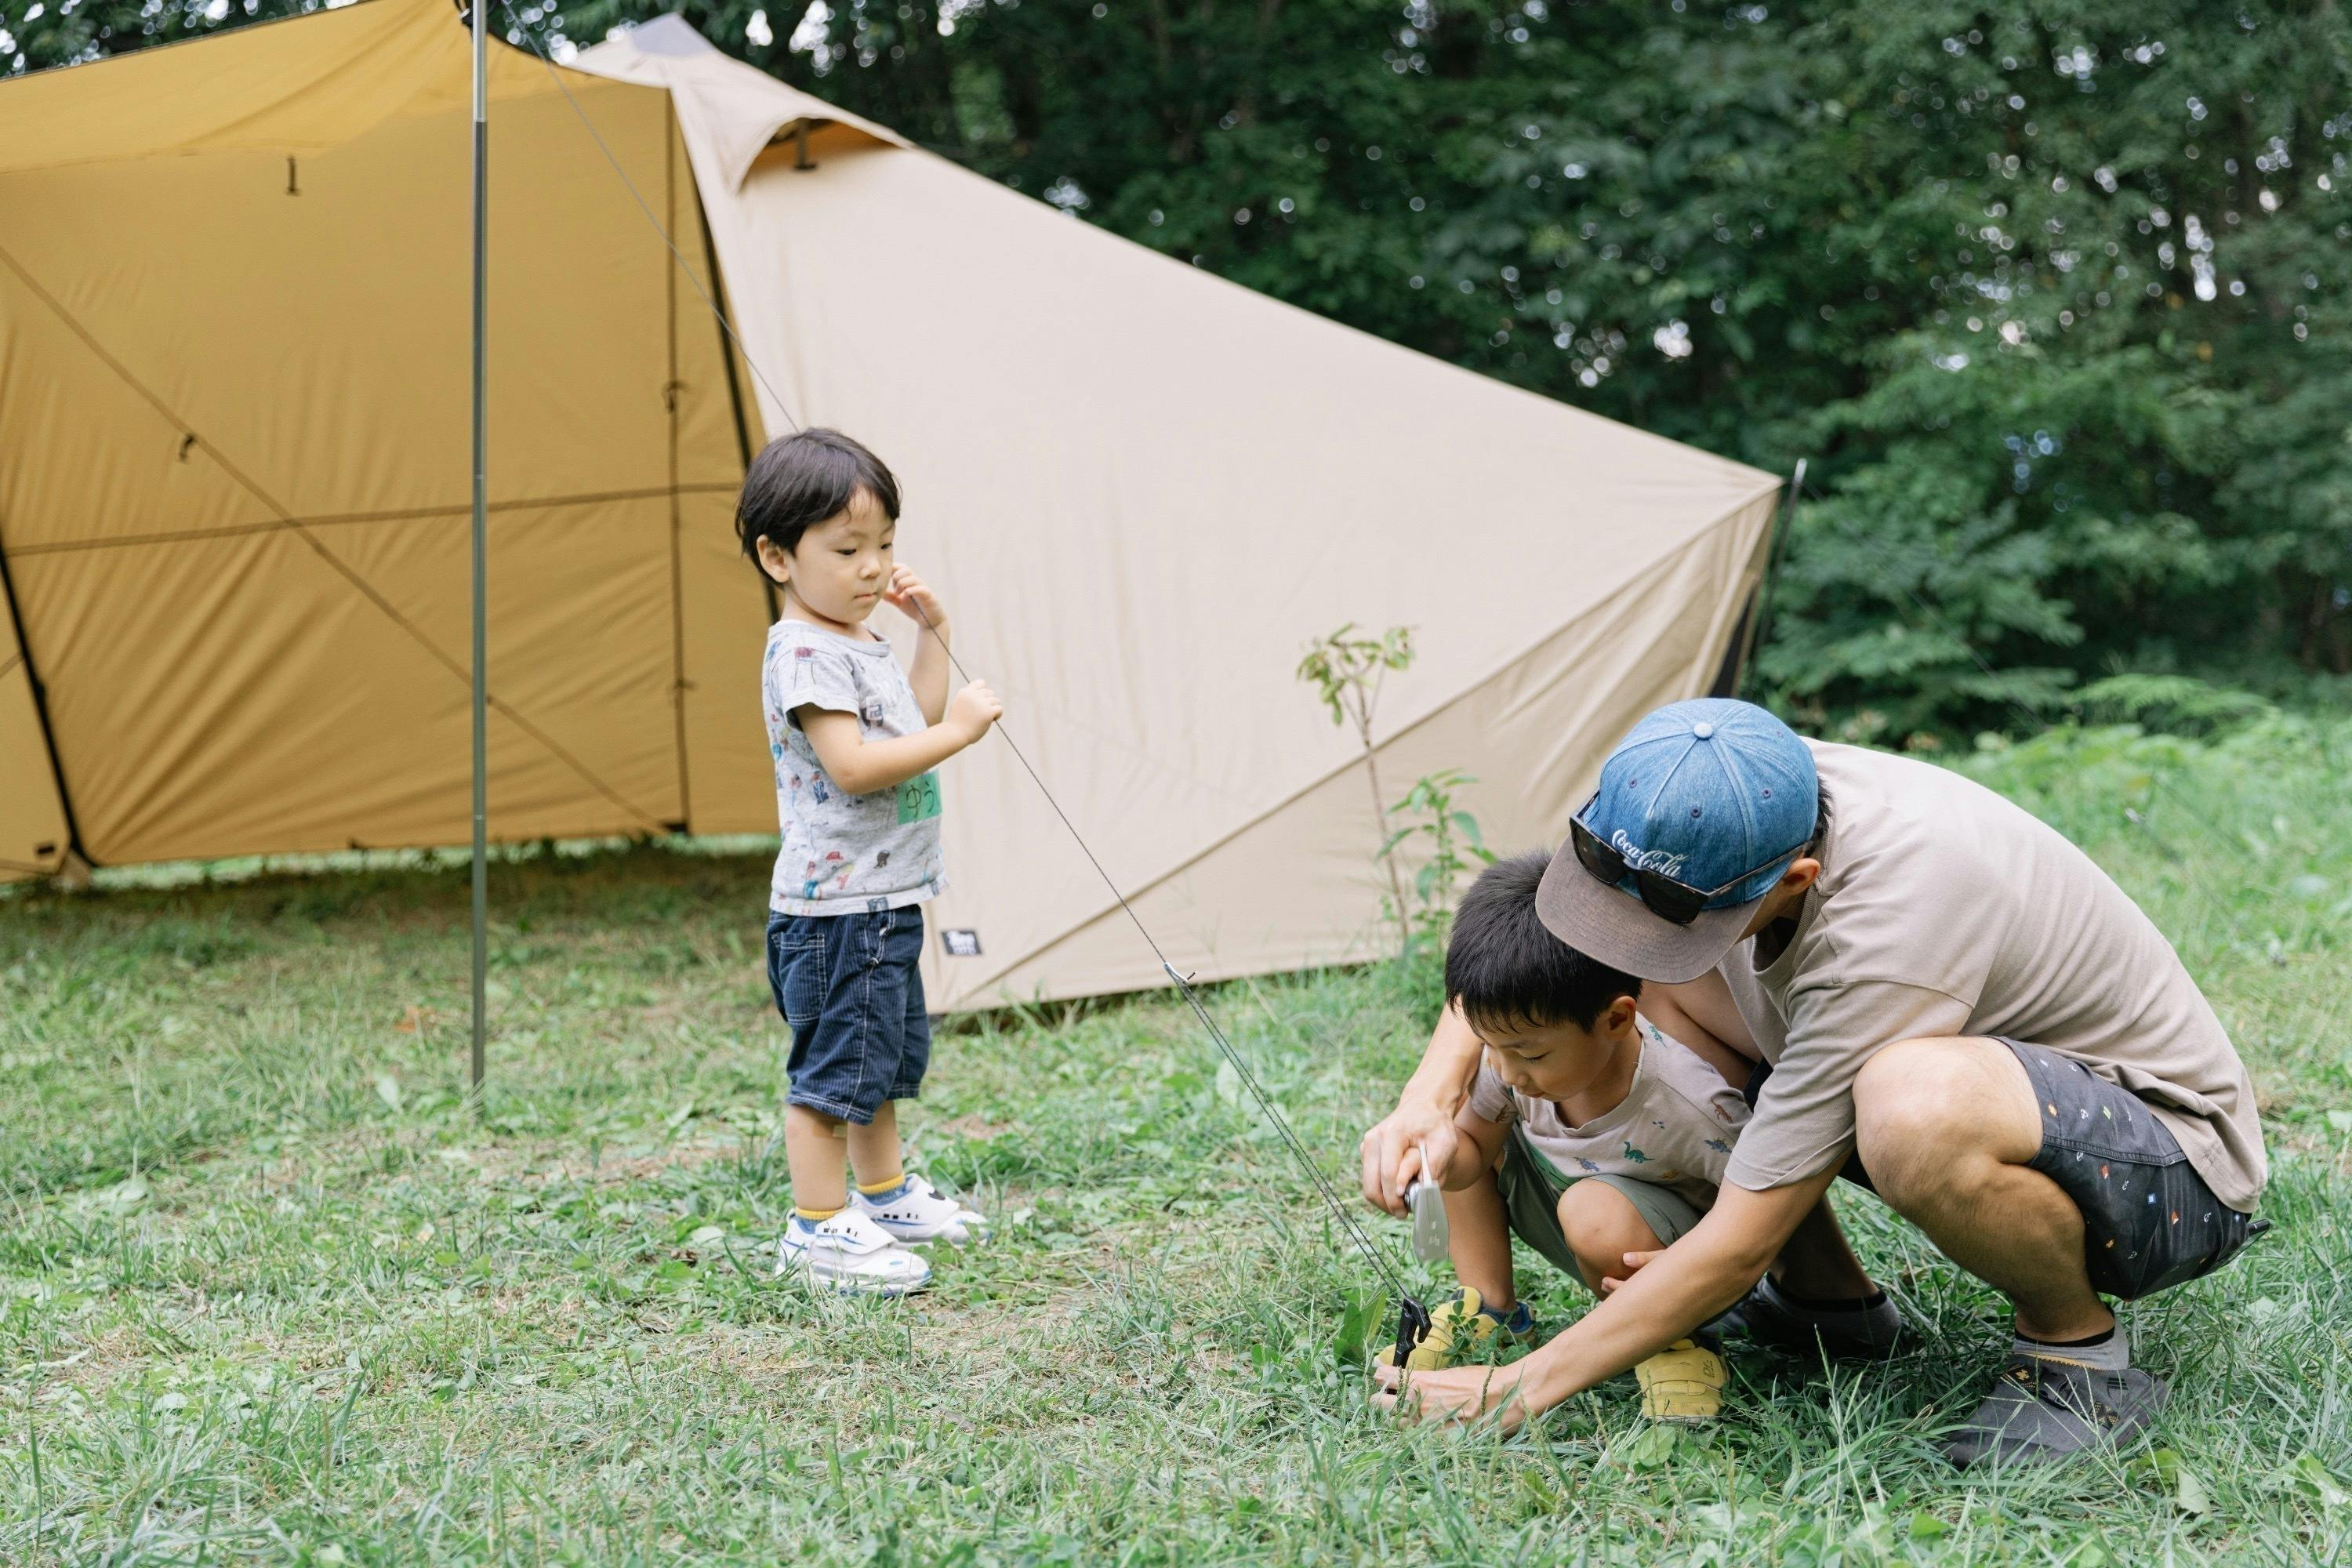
(844, 853)
(1674, 1126)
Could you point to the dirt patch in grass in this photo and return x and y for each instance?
(542, 1162)
(971, 1125)
(97, 1362)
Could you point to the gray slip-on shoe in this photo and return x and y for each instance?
(2042, 1410)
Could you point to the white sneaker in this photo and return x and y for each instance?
(851, 1254)
(920, 1214)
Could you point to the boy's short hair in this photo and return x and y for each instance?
(1505, 969)
(798, 480)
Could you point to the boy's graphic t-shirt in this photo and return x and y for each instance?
(1674, 1128)
(844, 853)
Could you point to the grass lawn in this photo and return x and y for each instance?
(271, 1291)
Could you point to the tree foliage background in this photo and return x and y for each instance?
(2052, 297)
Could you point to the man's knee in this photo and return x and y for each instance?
(1601, 1226)
(1926, 1110)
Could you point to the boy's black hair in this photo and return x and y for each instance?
(798, 480)
(1507, 970)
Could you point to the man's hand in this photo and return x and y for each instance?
(1631, 1266)
(1419, 1136)
(913, 598)
(1415, 1139)
(1461, 1394)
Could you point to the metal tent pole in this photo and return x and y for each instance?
(1772, 570)
(481, 572)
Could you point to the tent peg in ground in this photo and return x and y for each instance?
(1412, 1327)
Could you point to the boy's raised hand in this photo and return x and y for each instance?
(912, 597)
(972, 711)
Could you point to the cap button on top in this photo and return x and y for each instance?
(1702, 730)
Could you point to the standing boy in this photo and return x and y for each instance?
(854, 741)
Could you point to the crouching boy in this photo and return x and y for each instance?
(1596, 1128)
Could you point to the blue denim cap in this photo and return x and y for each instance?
(1704, 792)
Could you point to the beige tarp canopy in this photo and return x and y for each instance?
(235, 479)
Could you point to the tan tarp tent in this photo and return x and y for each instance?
(235, 479)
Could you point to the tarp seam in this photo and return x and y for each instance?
(346, 520)
(670, 394)
(334, 561)
(601, 146)
(729, 346)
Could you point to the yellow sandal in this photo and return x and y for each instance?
(1682, 1383)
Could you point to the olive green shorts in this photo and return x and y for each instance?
(1532, 1185)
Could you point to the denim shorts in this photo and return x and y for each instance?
(851, 986)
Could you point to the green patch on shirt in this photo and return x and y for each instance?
(919, 798)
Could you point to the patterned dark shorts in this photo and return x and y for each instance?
(2150, 1220)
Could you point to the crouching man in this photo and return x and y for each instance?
(1950, 1002)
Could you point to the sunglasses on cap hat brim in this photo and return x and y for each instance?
(1677, 903)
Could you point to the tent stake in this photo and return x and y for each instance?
(481, 574)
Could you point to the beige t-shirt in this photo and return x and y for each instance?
(1674, 1128)
(1942, 908)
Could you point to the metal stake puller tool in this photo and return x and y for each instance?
(1427, 1200)
(1413, 1318)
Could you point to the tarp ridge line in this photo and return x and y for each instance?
(335, 563)
(148, 51)
(352, 519)
(667, 244)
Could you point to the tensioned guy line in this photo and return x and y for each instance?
(1322, 1184)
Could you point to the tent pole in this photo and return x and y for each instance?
(1772, 570)
(75, 849)
(734, 381)
(481, 574)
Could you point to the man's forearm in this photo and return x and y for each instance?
(1677, 1291)
(1448, 1067)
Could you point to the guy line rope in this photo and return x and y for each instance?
(1413, 1317)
